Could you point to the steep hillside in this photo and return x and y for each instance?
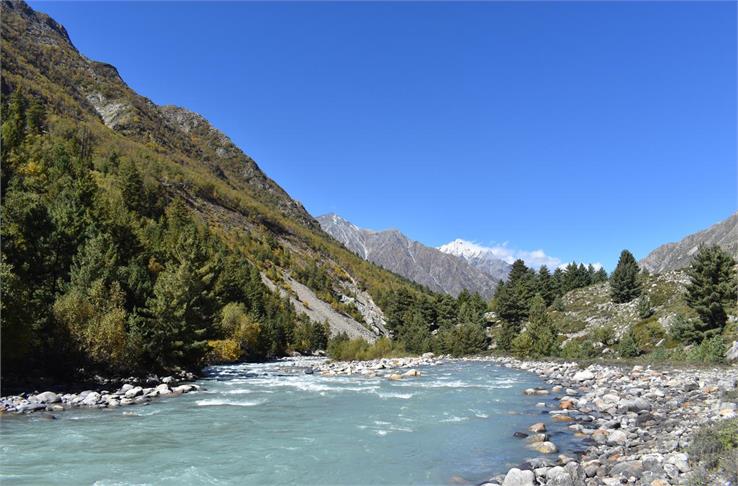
(674, 256)
(478, 257)
(394, 251)
(170, 157)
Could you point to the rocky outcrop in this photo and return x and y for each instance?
(673, 256)
(427, 266)
(306, 302)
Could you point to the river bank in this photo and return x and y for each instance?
(637, 421)
(130, 391)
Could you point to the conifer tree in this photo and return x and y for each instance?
(512, 300)
(545, 285)
(712, 287)
(541, 329)
(624, 282)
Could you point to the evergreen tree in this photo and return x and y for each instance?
(624, 282)
(541, 329)
(512, 300)
(600, 276)
(545, 285)
(712, 287)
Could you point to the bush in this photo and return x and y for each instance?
(341, 348)
(578, 350)
(628, 347)
(710, 350)
(716, 447)
(647, 334)
(604, 334)
(645, 309)
(683, 330)
(223, 351)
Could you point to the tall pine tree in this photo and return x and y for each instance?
(624, 283)
(712, 287)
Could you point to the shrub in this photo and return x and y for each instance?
(683, 330)
(223, 351)
(341, 348)
(647, 334)
(645, 309)
(716, 447)
(628, 347)
(578, 350)
(710, 350)
(604, 334)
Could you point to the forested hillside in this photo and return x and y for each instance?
(135, 234)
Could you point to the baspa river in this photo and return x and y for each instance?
(272, 424)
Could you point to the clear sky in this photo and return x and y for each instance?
(577, 128)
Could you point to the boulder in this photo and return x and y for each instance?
(544, 447)
(516, 477)
(91, 399)
(48, 397)
(412, 372)
(627, 469)
(133, 391)
(583, 375)
(680, 460)
(617, 437)
(537, 427)
(394, 377)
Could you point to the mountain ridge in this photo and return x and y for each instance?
(391, 249)
(678, 254)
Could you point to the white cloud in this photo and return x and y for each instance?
(534, 258)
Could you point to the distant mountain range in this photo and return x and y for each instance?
(441, 270)
(673, 256)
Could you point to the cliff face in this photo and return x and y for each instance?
(673, 256)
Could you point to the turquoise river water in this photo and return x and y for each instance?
(267, 424)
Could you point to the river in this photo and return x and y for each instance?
(273, 424)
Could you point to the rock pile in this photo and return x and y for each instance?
(131, 393)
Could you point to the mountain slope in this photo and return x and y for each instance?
(673, 256)
(184, 158)
(479, 257)
(427, 266)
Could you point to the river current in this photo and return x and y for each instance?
(273, 424)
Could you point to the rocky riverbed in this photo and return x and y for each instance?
(134, 391)
(636, 421)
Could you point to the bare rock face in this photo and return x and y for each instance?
(113, 113)
(673, 256)
(427, 266)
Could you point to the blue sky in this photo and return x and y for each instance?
(577, 128)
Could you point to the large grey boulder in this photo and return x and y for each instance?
(48, 397)
(516, 477)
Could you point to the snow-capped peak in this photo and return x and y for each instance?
(465, 249)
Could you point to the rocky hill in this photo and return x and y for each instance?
(673, 256)
(439, 271)
(192, 161)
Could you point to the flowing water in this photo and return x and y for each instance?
(272, 424)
